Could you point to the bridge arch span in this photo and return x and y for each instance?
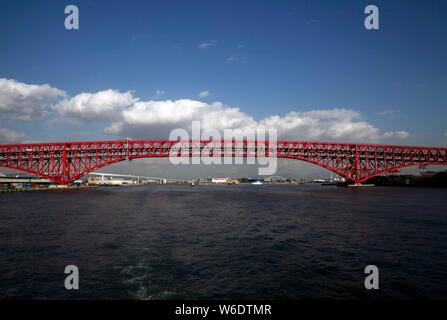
(65, 162)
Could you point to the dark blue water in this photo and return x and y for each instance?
(215, 242)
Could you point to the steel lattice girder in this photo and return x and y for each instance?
(67, 161)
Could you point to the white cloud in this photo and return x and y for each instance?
(122, 114)
(11, 136)
(207, 44)
(212, 116)
(232, 58)
(219, 116)
(204, 94)
(104, 105)
(333, 124)
(157, 118)
(160, 92)
(114, 128)
(156, 112)
(162, 116)
(396, 135)
(26, 101)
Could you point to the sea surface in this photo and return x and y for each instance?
(224, 242)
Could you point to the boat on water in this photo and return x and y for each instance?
(257, 182)
(329, 182)
(193, 184)
(359, 185)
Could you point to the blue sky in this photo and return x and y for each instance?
(264, 57)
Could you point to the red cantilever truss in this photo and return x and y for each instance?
(67, 161)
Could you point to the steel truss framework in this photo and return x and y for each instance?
(67, 161)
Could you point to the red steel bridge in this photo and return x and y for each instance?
(67, 161)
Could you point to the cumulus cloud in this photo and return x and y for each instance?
(204, 94)
(124, 115)
(26, 101)
(333, 124)
(104, 105)
(207, 44)
(159, 117)
(396, 135)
